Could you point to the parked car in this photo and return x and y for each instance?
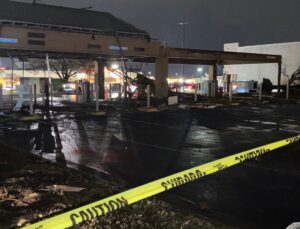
(69, 88)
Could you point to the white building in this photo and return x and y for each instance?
(290, 57)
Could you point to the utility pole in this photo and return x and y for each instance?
(183, 25)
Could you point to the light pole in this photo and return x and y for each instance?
(200, 70)
(183, 25)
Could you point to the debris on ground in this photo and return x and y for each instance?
(97, 113)
(28, 117)
(183, 107)
(66, 188)
(32, 188)
(150, 109)
(235, 104)
(29, 192)
(214, 106)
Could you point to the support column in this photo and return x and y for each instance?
(110, 91)
(161, 75)
(48, 83)
(99, 78)
(148, 96)
(279, 78)
(230, 92)
(260, 91)
(212, 72)
(31, 99)
(87, 86)
(51, 93)
(1, 97)
(47, 93)
(34, 94)
(228, 82)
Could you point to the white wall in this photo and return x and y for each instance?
(290, 56)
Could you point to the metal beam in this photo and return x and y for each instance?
(223, 57)
(175, 56)
(279, 78)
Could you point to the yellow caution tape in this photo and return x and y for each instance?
(110, 204)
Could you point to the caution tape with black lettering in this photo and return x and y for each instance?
(110, 204)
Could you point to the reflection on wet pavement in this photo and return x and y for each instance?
(137, 147)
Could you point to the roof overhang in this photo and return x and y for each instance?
(196, 56)
(56, 27)
(175, 56)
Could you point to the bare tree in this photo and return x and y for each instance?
(63, 68)
(294, 78)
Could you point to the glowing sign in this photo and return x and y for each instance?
(8, 40)
(118, 48)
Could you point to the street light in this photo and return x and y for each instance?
(183, 25)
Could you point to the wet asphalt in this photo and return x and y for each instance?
(137, 147)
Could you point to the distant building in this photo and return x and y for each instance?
(290, 57)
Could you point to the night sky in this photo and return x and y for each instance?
(211, 22)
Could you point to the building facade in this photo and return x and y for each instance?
(290, 61)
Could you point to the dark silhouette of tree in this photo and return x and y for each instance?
(63, 68)
(295, 78)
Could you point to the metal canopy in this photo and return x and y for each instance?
(196, 56)
(175, 56)
(19, 53)
(43, 18)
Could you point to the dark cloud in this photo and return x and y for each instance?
(211, 22)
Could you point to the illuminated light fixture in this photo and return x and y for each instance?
(199, 69)
(115, 66)
(80, 76)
